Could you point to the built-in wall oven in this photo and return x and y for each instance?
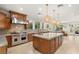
(15, 39)
(23, 37)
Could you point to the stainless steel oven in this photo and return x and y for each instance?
(15, 39)
(23, 37)
(18, 38)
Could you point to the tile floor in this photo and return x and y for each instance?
(70, 46)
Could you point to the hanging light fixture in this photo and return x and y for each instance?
(48, 18)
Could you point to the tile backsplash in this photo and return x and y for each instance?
(3, 31)
(14, 28)
(17, 28)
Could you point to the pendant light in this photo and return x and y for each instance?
(49, 19)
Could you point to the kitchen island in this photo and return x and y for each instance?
(47, 42)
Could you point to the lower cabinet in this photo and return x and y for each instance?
(44, 46)
(41, 45)
(36, 43)
(30, 37)
(9, 40)
(3, 50)
(52, 46)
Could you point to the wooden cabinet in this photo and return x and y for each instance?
(3, 50)
(9, 40)
(42, 45)
(30, 37)
(61, 40)
(56, 42)
(20, 18)
(4, 21)
(36, 44)
(52, 46)
(46, 46)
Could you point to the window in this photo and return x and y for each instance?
(37, 25)
(30, 26)
(42, 25)
(47, 26)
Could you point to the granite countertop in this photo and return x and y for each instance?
(73, 34)
(48, 36)
(3, 41)
(36, 31)
(7, 34)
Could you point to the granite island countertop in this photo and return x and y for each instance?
(36, 31)
(48, 36)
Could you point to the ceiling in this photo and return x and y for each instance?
(64, 13)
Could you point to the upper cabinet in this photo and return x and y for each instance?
(4, 19)
(18, 18)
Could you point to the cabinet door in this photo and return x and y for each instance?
(36, 43)
(30, 37)
(56, 43)
(2, 25)
(3, 50)
(7, 24)
(44, 46)
(2, 16)
(59, 42)
(4, 22)
(52, 45)
(9, 40)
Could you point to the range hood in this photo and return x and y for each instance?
(18, 21)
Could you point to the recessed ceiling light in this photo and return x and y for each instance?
(69, 5)
(21, 9)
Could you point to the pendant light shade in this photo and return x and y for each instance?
(47, 18)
